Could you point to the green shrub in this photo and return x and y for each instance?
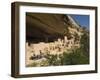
(74, 57)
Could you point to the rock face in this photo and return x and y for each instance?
(49, 27)
(72, 21)
(50, 33)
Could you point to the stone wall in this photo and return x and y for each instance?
(56, 47)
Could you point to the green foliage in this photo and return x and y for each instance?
(74, 57)
(53, 59)
(34, 64)
(44, 63)
(84, 42)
